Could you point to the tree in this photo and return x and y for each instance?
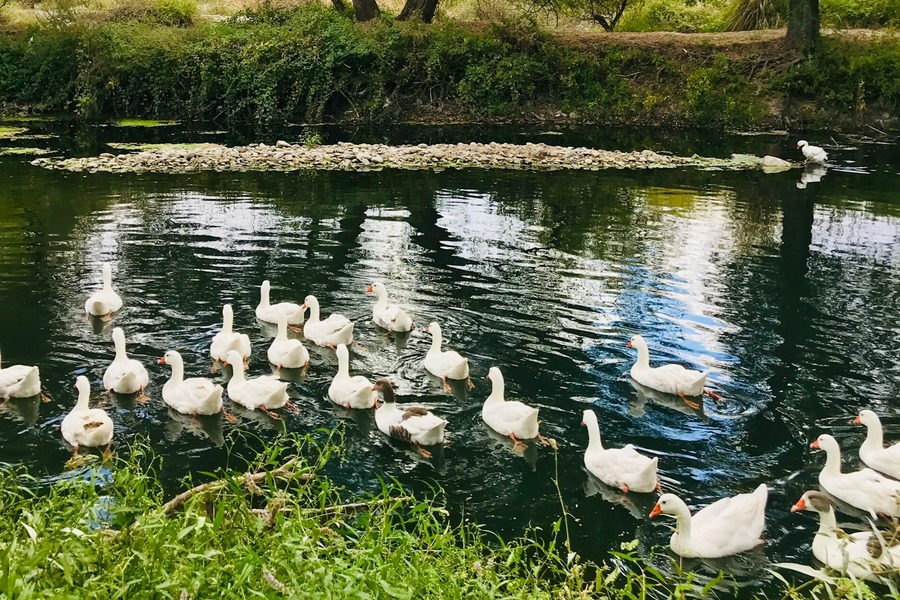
(606, 12)
(423, 9)
(803, 24)
(365, 10)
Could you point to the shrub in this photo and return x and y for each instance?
(860, 13)
(685, 16)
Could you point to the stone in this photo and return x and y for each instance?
(282, 144)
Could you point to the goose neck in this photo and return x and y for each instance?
(594, 443)
(120, 348)
(436, 340)
(107, 278)
(282, 329)
(237, 370)
(832, 462)
(682, 535)
(874, 437)
(264, 296)
(497, 389)
(84, 397)
(828, 523)
(227, 321)
(643, 356)
(343, 364)
(313, 311)
(177, 371)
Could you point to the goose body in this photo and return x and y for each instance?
(413, 424)
(19, 381)
(725, 527)
(872, 451)
(669, 379)
(624, 468)
(861, 555)
(104, 301)
(336, 329)
(85, 426)
(449, 364)
(864, 489)
(287, 352)
(508, 417)
(227, 339)
(269, 312)
(812, 154)
(388, 316)
(124, 375)
(347, 391)
(194, 396)
(256, 393)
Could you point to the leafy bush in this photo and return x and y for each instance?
(860, 13)
(685, 16)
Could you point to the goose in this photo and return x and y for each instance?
(446, 365)
(413, 424)
(105, 301)
(860, 555)
(872, 452)
(669, 379)
(388, 316)
(19, 381)
(624, 468)
(812, 154)
(124, 375)
(194, 396)
(336, 329)
(346, 391)
(725, 527)
(227, 339)
(509, 417)
(263, 393)
(864, 489)
(287, 352)
(85, 426)
(269, 312)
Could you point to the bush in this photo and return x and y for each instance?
(685, 16)
(169, 13)
(860, 13)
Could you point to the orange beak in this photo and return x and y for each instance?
(856, 421)
(488, 377)
(801, 505)
(303, 306)
(656, 511)
(582, 424)
(428, 330)
(815, 444)
(162, 360)
(369, 290)
(628, 345)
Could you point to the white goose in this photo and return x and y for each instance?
(414, 424)
(509, 417)
(812, 154)
(287, 352)
(336, 329)
(262, 393)
(194, 396)
(669, 379)
(228, 339)
(872, 452)
(19, 381)
(86, 426)
(388, 316)
(725, 527)
(106, 301)
(624, 468)
(860, 555)
(269, 312)
(347, 391)
(446, 365)
(124, 375)
(864, 489)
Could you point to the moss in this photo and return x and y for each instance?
(10, 132)
(24, 151)
(143, 123)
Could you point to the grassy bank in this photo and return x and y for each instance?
(311, 64)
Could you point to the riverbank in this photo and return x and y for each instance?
(283, 156)
(311, 64)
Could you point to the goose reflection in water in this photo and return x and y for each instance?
(527, 449)
(811, 174)
(639, 505)
(643, 395)
(208, 427)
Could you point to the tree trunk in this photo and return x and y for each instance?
(365, 10)
(339, 5)
(803, 25)
(423, 9)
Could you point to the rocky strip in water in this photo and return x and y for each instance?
(283, 156)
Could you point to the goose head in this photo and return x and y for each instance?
(234, 359)
(84, 391)
(813, 501)
(386, 388)
(637, 342)
(827, 443)
(312, 304)
(801, 144)
(867, 418)
(171, 358)
(377, 288)
(434, 329)
(264, 293)
(671, 505)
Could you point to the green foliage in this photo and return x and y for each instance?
(289, 532)
(715, 96)
(686, 16)
(860, 13)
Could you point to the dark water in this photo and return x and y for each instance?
(790, 296)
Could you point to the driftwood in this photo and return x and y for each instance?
(248, 480)
(268, 514)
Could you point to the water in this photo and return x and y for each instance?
(789, 296)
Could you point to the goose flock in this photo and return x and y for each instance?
(728, 526)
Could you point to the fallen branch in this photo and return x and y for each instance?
(248, 480)
(268, 513)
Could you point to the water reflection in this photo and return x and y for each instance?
(788, 296)
(813, 173)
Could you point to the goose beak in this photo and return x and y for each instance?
(428, 330)
(162, 360)
(856, 421)
(369, 290)
(582, 423)
(815, 444)
(488, 377)
(303, 306)
(374, 388)
(628, 345)
(656, 511)
(801, 505)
